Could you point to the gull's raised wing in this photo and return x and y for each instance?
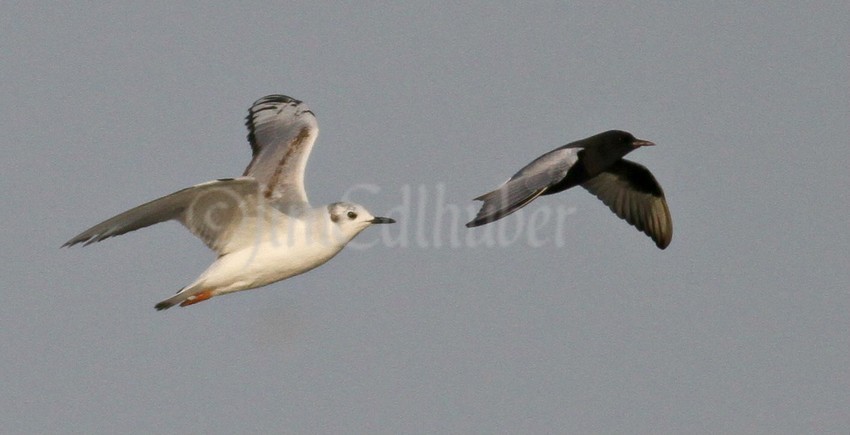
(633, 194)
(281, 131)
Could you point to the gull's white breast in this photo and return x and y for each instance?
(273, 248)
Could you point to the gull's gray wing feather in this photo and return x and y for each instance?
(211, 211)
(633, 194)
(526, 185)
(281, 132)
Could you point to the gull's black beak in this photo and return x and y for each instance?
(382, 220)
(641, 143)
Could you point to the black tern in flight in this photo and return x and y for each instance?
(596, 164)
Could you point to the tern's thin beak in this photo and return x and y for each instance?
(642, 143)
(382, 220)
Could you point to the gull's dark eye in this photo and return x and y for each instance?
(352, 215)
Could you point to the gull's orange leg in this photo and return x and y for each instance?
(197, 297)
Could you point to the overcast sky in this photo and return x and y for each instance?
(574, 323)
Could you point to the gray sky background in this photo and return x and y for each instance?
(740, 326)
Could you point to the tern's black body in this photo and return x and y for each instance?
(576, 175)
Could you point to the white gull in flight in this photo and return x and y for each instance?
(261, 225)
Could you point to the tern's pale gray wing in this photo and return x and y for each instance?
(281, 131)
(526, 185)
(209, 210)
(632, 193)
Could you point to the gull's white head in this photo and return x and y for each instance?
(351, 219)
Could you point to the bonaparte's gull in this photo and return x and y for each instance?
(261, 224)
(597, 164)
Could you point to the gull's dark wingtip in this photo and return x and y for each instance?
(71, 243)
(85, 240)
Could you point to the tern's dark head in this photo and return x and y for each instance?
(603, 149)
(619, 139)
(615, 143)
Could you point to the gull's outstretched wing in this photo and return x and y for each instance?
(281, 131)
(526, 185)
(212, 211)
(632, 193)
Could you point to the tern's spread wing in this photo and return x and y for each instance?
(211, 211)
(632, 193)
(281, 131)
(526, 185)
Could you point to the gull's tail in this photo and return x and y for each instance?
(185, 297)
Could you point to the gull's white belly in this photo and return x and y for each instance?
(269, 259)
